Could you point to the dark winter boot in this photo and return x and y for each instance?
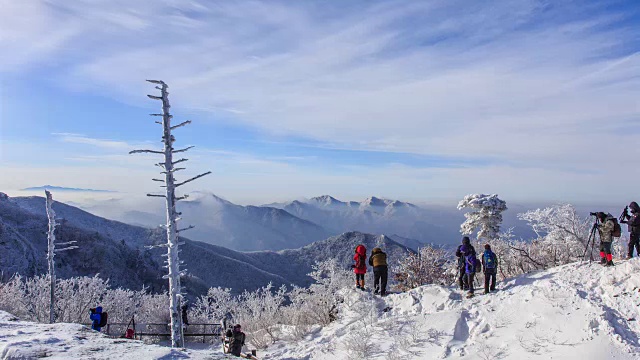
(609, 263)
(603, 261)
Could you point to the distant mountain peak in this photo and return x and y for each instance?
(327, 200)
(374, 201)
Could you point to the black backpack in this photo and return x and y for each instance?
(103, 319)
(617, 229)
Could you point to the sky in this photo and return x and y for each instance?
(423, 101)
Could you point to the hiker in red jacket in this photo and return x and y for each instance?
(360, 267)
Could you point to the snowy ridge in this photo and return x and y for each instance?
(576, 311)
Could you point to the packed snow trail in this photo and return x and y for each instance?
(576, 311)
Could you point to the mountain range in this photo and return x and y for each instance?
(119, 252)
(296, 223)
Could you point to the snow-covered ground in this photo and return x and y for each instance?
(27, 340)
(576, 311)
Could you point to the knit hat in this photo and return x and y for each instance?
(466, 240)
(487, 247)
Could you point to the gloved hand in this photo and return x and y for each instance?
(353, 266)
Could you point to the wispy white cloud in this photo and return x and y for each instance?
(100, 143)
(534, 84)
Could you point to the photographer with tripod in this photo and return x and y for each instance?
(605, 228)
(633, 222)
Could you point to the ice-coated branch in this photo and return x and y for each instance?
(145, 151)
(181, 124)
(159, 82)
(150, 247)
(156, 195)
(67, 248)
(66, 243)
(185, 229)
(193, 178)
(158, 180)
(183, 150)
(155, 97)
(183, 197)
(179, 161)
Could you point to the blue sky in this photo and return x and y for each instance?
(418, 100)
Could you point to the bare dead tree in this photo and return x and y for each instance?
(51, 238)
(170, 184)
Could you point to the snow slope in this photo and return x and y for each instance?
(577, 311)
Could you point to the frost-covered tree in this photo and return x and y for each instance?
(51, 252)
(486, 215)
(170, 185)
(431, 265)
(562, 234)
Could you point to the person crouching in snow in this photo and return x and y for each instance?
(236, 340)
(378, 260)
(360, 267)
(490, 268)
(95, 314)
(605, 228)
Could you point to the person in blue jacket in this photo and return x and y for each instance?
(96, 317)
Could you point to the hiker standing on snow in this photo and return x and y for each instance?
(95, 314)
(462, 277)
(605, 228)
(378, 260)
(490, 268)
(633, 223)
(236, 340)
(471, 265)
(360, 267)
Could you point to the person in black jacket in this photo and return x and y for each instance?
(236, 340)
(462, 278)
(633, 223)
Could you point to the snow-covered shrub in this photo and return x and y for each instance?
(261, 313)
(486, 215)
(562, 236)
(318, 303)
(431, 265)
(28, 298)
(216, 305)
